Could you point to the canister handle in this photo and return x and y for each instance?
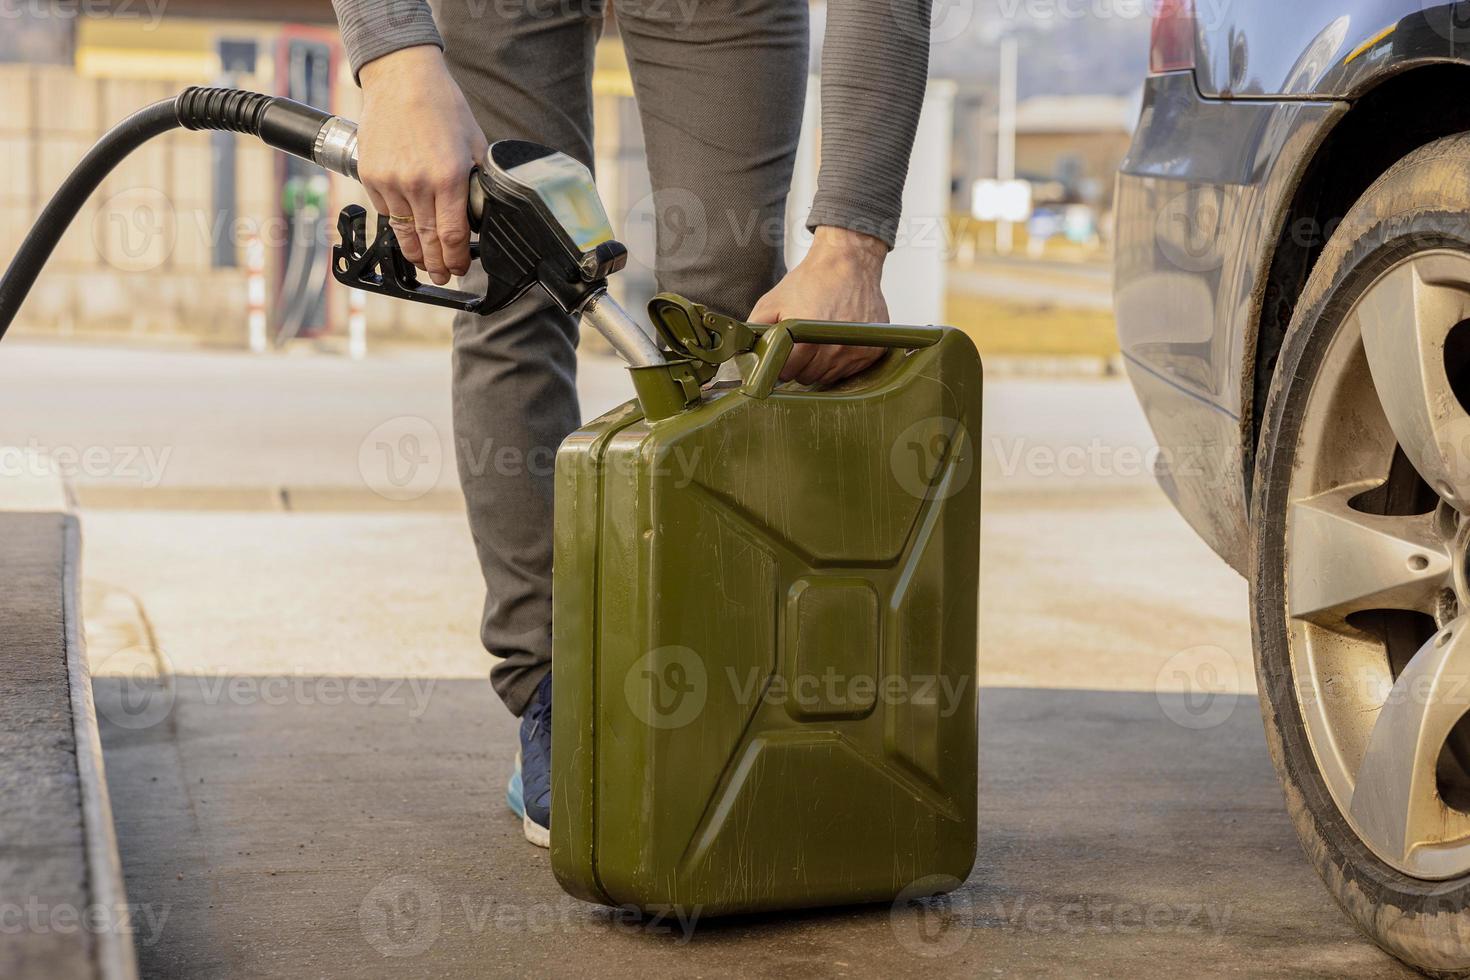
(775, 344)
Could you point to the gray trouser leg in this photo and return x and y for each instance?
(526, 69)
(720, 97)
(721, 85)
(515, 400)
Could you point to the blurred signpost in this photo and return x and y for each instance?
(1001, 200)
(1005, 138)
(1006, 202)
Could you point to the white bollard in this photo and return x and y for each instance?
(255, 293)
(356, 324)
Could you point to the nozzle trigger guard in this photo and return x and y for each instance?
(382, 267)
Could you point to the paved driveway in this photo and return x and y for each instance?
(307, 763)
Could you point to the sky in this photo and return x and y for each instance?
(1067, 47)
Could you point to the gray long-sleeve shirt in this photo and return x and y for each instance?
(875, 60)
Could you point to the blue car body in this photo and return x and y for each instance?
(1238, 172)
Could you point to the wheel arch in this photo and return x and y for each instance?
(1388, 119)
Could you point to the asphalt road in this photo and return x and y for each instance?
(306, 761)
(1070, 284)
(190, 428)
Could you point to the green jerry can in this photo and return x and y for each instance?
(765, 615)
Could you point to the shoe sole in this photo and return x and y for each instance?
(535, 833)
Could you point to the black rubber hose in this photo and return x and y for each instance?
(40, 241)
(281, 123)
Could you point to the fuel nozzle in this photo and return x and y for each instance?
(538, 219)
(540, 225)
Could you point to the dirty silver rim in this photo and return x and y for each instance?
(1376, 559)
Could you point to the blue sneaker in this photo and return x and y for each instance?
(515, 792)
(529, 792)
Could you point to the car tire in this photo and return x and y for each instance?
(1420, 206)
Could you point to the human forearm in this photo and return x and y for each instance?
(374, 28)
(875, 63)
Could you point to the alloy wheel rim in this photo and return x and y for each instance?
(1378, 567)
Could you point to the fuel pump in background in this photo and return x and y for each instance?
(304, 203)
(304, 70)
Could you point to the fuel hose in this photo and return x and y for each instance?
(328, 141)
(283, 124)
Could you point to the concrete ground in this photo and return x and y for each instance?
(307, 763)
(369, 840)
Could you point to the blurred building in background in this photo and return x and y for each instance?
(1065, 153)
(972, 147)
(1078, 141)
(1057, 117)
(163, 247)
(169, 244)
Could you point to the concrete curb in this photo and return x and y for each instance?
(66, 854)
(115, 956)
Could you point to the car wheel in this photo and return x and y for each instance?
(1359, 579)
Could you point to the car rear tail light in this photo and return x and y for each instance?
(1171, 44)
